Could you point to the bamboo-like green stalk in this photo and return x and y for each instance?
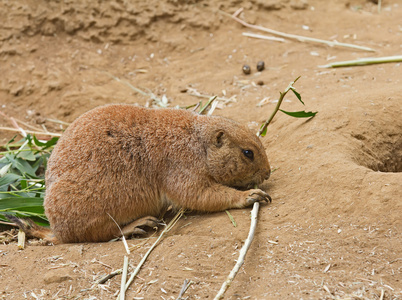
(364, 61)
(282, 96)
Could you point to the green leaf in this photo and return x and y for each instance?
(18, 202)
(299, 114)
(34, 209)
(9, 142)
(46, 145)
(26, 155)
(23, 184)
(203, 110)
(21, 165)
(5, 166)
(8, 179)
(297, 95)
(35, 213)
(39, 162)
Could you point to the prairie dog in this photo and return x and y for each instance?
(127, 164)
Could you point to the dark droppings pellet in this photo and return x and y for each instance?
(260, 66)
(246, 69)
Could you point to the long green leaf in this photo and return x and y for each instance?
(14, 202)
(47, 144)
(26, 155)
(21, 165)
(299, 114)
(8, 179)
(297, 95)
(34, 210)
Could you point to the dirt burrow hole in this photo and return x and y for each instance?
(381, 152)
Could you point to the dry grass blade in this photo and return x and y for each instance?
(105, 278)
(184, 288)
(160, 102)
(123, 238)
(31, 132)
(58, 122)
(263, 37)
(193, 92)
(231, 218)
(297, 37)
(137, 269)
(210, 105)
(242, 254)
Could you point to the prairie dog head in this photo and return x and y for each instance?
(236, 156)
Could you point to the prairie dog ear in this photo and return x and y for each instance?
(218, 138)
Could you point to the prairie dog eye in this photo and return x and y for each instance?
(249, 154)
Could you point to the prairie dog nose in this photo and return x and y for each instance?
(268, 174)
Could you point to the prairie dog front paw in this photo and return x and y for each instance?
(257, 195)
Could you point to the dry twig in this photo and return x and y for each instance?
(137, 269)
(184, 288)
(105, 278)
(29, 131)
(124, 278)
(263, 37)
(297, 37)
(242, 254)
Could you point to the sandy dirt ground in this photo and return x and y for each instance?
(333, 230)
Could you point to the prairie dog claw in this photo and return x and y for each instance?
(257, 195)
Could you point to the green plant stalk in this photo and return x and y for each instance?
(212, 99)
(282, 96)
(27, 190)
(364, 61)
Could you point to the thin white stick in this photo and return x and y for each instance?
(58, 122)
(30, 131)
(297, 37)
(123, 238)
(264, 37)
(123, 279)
(242, 254)
(137, 269)
(364, 61)
(382, 294)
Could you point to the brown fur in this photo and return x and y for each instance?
(126, 163)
